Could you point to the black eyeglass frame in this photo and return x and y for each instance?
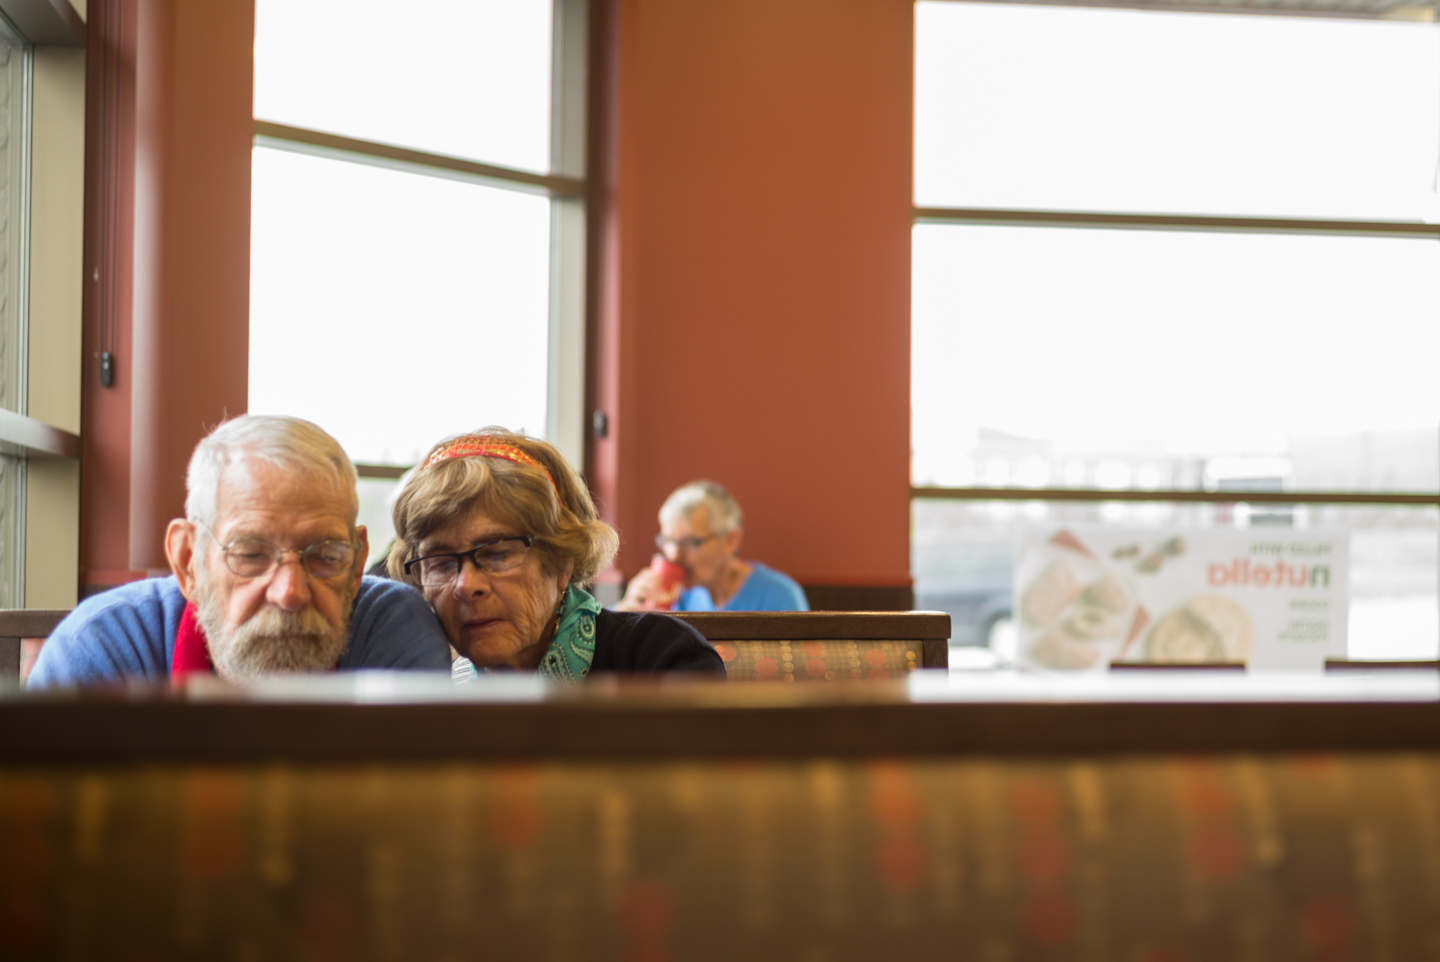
(277, 554)
(471, 555)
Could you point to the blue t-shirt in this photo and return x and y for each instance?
(765, 590)
(129, 632)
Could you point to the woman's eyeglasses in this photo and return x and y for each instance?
(491, 557)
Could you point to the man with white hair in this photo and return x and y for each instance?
(701, 527)
(268, 577)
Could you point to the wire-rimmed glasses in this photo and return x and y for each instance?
(256, 557)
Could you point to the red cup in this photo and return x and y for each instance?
(671, 575)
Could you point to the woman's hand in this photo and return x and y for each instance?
(647, 592)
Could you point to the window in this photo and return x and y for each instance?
(418, 224)
(1171, 256)
(15, 78)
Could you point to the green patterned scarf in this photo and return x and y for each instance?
(571, 651)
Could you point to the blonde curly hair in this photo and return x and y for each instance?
(562, 519)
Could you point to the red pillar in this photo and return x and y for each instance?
(109, 219)
(750, 319)
(185, 366)
(192, 247)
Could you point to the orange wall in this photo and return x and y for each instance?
(751, 311)
(109, 215)
(194, 83)
(181, 174)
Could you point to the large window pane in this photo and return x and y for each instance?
(394, 309)
(963, 552)
(1138, 359)
(14, 229)
(466, 78)
(1039, 107)
(15, 67)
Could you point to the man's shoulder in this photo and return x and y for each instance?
(150, 596)
(377, 590)
(393, 626)
(773, 576)
(124, 631)
(776, 590)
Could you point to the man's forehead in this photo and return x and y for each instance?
(252, 484)
(696, 520)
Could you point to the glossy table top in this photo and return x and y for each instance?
(406, 716)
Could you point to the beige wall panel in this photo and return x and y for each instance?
(57, 224)
(52, 533)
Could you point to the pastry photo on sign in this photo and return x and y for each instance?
(1076, 611)
(1211, 628)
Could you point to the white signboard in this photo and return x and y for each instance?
(1085, 597)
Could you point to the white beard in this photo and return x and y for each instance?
(271, 641)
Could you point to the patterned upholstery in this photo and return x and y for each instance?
(1143, 859)
(792, 646)
(817, 660)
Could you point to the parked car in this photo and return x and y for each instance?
(967, 573)
(976, 613)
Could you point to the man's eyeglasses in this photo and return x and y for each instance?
(685, 545)
(256, 558)
(491, 557)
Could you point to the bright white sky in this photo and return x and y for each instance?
(1204, 343)
(392, 309)
(395, 309)
(1069, 108)
(468, 78)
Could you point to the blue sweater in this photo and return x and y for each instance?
(129, 632)
(765, 590)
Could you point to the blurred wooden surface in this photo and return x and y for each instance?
(375, 816)
(1153, 858)
(382, 718)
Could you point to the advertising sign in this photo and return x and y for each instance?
(1277, 600)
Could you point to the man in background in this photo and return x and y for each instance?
(701, 527)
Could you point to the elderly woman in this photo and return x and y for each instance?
(500, 534)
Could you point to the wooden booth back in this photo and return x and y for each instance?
(19, 624)
(824, 645)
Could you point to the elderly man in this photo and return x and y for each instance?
(700, 529)
(268, 577)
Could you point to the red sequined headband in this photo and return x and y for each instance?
(484, 446)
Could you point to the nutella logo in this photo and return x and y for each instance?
(1242, 573)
